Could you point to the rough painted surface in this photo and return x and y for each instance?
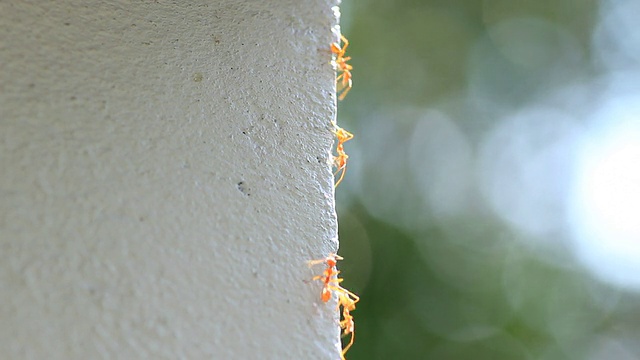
(164, 178)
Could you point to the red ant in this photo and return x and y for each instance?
(329, 277)
(340, 161)
(345, 69)
(348, 301)
(346, 298)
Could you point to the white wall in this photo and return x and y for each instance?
(164, 178)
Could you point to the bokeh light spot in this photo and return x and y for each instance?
(440, 158)
(617, 37)
(606, 202)
(524, 169)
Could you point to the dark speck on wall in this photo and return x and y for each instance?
(243, 188)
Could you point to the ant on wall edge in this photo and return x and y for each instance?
(344, 84)
(340, 62)
(340, 161)
(329, 277)
(346, 299)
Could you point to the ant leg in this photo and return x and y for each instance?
(346, 348)
(344, 93)
(345, 42)
(344, 170)
(335, 48)
(311, 263)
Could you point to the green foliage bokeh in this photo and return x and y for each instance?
(463, 285)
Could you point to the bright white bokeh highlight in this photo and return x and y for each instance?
(605, 203)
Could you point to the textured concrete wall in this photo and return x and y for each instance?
(164, 178)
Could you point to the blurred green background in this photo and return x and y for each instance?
(491, 207)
